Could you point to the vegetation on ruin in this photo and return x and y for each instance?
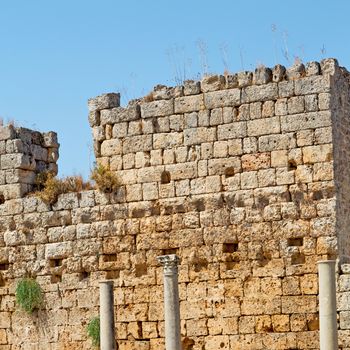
(93, 330)
(49, 187)
(106, 180)
(29, 295)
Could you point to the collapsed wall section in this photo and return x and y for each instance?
(235, 175)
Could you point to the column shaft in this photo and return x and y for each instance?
(107, 331)
(327, 305)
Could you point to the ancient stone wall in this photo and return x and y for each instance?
(233, 174)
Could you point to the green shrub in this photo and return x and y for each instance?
(29, 295)
(93, 331)
(105, 179)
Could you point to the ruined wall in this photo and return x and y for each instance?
(235, 175)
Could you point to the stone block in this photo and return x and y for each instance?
(222, 98)
(212, 83)
(135, 144)
(158, 108)
(303, 121)
(167, 140)
(232, 131)
(260, 93)
(7, 132)
(188, 104)
(59, 250)
(260, 127)
(315, 154)
(17, 161)
(312, 85)
(111, 147)
(275, 142)
(278, 73)
(192, 87)
(199, 135)
(119, 115)
(104, 101)
(244, 78)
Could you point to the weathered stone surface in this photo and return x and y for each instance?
(105, 101)
(157, 108)
(119, 114)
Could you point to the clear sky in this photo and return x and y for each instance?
(56, 54)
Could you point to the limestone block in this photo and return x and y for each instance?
(203, 118)
(243, 112)
(199, 135)
(311, 103)
(324, 101)
(284, 176)
(98, 133)
(17, 190)
(222, 98)
(7, 132)
(182, 171)
(286, 89)
(13, 176)
(212, 83)
(312, 85)
(250, 145)
(329, 66)
(111, 147)
(234, 147)
(280, 323)
(220, 149)
(303, 174)
(276, 142)
(109, 100)
(150, 174)
(303, 121)
(249, 179)
(162, 92)
(260, 127)
(296, 105)
(296, 71)
(192, 87)
(262, 75)
(244, 78)
(246, 325)
(232, 130)
(281, 106)
(139, 143)
(261, 305)
(278, 73)
(255, 110)
(135, 128)
(231, 81)
(268, 109)
(217, 342)
(94, 118)
(309, 284)
(323, 135)
(188, 104)
(150, 191)
(128, 161)
(58, 250)
(216, 117)
(260, 93)
(228, 114)
(315, 154)
(255, 161)
(230, 166)
(323, 171)
(196, 327)
(17, 161)
(312, 68)
(266, 177)
(158, 108)
(299, 304)
(167, 140)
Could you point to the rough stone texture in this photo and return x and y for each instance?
(245, 179)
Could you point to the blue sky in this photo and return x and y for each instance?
(56, 54)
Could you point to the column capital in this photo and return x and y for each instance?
(170, 263)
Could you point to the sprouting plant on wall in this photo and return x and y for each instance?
(29, 295)
(106, 180)
(93, 330)
(49, 187)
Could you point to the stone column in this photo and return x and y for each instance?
(107, 331)
(327, 305)
(171, 302)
